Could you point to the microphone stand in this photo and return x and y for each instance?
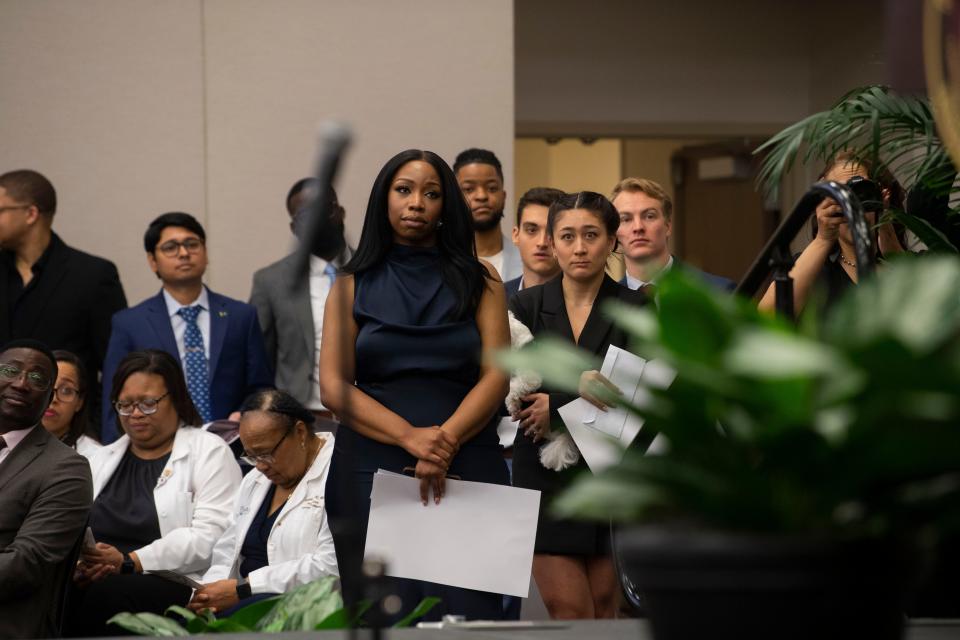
(358, 581)
(776, 256)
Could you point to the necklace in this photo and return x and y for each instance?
(849, 263)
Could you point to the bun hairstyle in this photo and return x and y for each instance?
(591, 201)
(280, 403)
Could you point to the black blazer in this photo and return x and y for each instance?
(69, 307)
(543, 310)
(45, 498)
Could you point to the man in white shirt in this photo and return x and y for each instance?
(481, 180)
(292, 321)
(45, 497)
(646, 218)
(217, 339)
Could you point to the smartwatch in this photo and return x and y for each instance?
(127, 566)
(243, 588)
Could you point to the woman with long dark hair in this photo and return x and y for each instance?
(401, 363)
(571, 562)
(67, 416)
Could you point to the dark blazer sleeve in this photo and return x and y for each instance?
(261, 300)
(121, 343)
(109, 298)
(53, 525)
(259, 371)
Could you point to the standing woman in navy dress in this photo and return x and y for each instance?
(401, 362)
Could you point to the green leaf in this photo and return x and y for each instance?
(926, 232)
(250, 615)
(148, 624)
(419, 611)
(558, 362)
(303, 608)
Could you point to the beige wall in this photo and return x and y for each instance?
(570, 165)
(135, 107)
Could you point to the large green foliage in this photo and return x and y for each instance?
(846, 427)
(315, 606)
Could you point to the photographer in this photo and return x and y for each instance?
(829, 262)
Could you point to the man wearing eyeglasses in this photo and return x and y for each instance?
(292, 321)
(217, 339)
(49, 291)
(45, 497)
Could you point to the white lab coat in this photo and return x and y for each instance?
(300, 545)
(87, 446)
(193, 497)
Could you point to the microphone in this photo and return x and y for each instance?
(334, 139)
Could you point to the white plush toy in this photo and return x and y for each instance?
(560, 451)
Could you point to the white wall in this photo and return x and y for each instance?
(137, 107)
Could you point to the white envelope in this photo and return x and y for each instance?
(480, 536)
(602, 436)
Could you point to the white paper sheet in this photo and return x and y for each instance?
(602, 436)
(507, 431)
(480, 536)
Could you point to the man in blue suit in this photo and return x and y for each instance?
(530, 237)
(646, 216)
(217, 339)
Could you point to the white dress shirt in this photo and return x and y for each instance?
(180, 325)
(13, 438)
(320, 285)
(634, 283)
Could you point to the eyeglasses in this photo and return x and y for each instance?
(66, 394)
(265, 458)
(147, 406)
(35, 379)
(15, 207)
(171, 248)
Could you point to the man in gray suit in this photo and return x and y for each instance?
(292, 321)
(45, 497)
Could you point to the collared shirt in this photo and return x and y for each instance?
(635, 283)
(13, 438)
(180, 325)
(319, 290)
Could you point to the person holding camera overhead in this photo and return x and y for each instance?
(829, 262)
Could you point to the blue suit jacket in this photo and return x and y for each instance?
(511, 287)
(238, 360)
(724, 284)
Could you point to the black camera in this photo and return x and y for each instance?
(867, 192)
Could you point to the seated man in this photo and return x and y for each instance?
(646, 216)
(45, 496)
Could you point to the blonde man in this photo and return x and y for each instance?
(646, 217)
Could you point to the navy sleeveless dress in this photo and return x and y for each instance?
(417, 361)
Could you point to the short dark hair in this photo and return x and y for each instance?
(459, 265)
(593, 202)
(302, 184)
(80, 423)
(171, 219)
(36, 345)
(544, 196)
(280, 403)
(163, 364)
(478, 156)
(27, 185)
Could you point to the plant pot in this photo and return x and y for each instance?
(718, 585)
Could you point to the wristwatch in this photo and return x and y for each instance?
(127, 566)
(243, 588)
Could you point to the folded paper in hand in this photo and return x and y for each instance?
(601, 436)
(480, 536)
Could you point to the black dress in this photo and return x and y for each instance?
(417, 361)
(543, 310)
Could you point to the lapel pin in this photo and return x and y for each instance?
(222, 314)
(163, 476)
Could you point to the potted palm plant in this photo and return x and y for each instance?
(803, 464)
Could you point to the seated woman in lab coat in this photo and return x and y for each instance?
(162, 498)
(278, 537)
